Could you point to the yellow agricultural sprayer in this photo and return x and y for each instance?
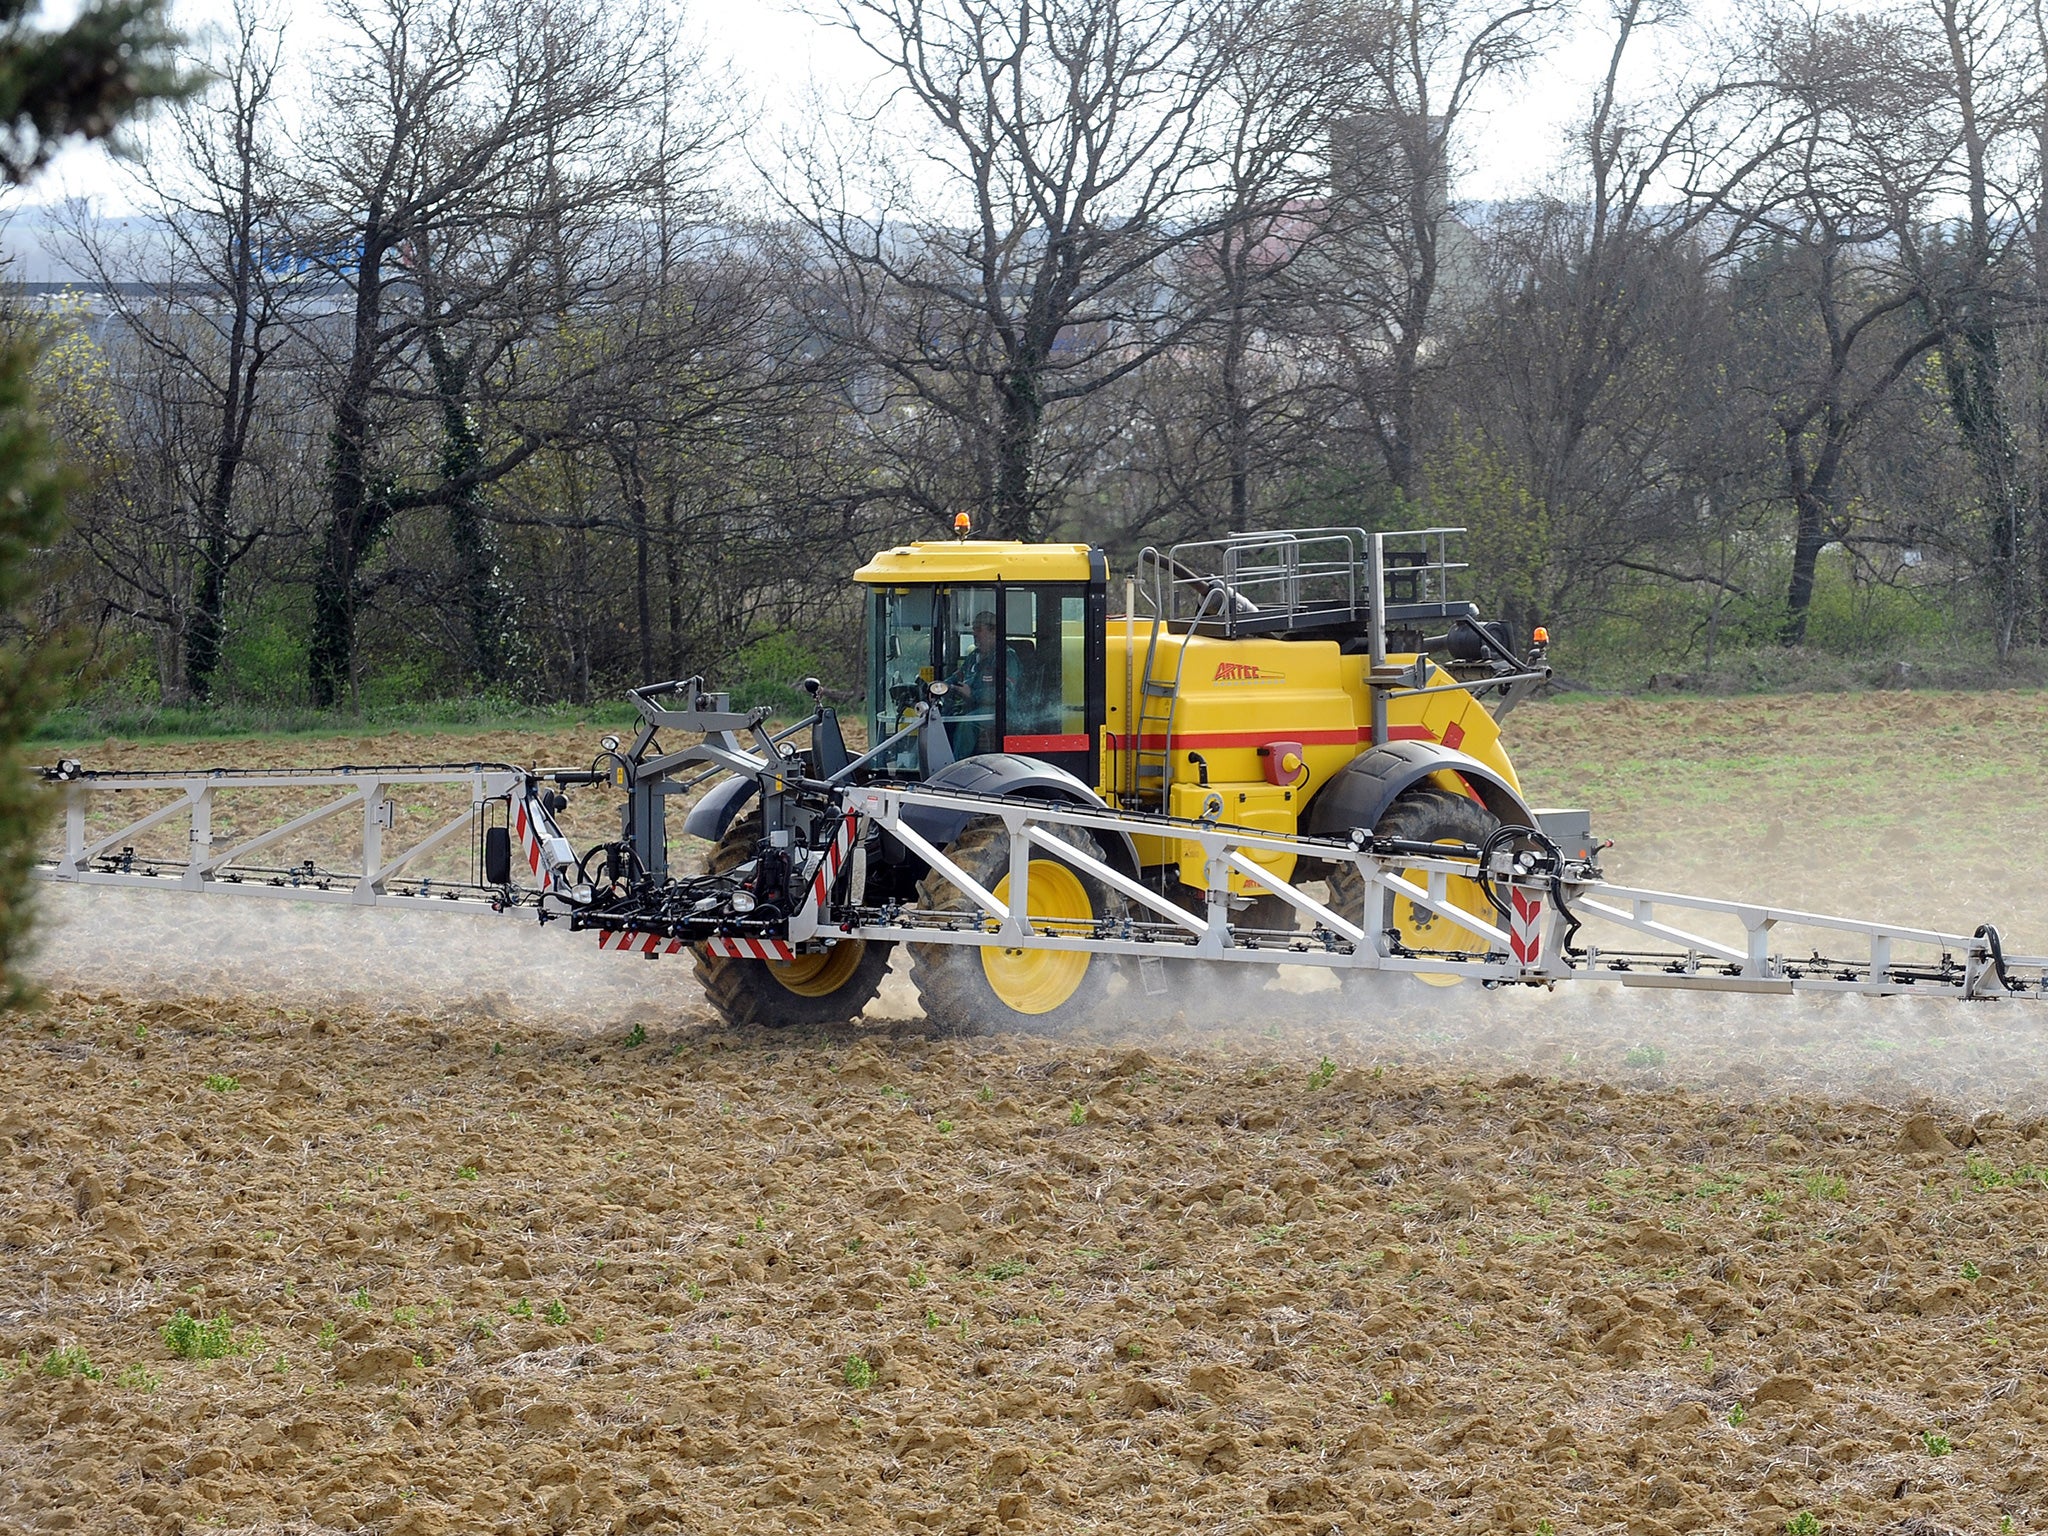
(1266, 750)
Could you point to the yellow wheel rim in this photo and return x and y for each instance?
(1039, 980)
(1421, 928)
(821, 972)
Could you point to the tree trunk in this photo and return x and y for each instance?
(672, 573)
(1972, 365)
(643, 596)
(355, 517)
(1809, 537)
(1237, 424)
(1016, 447)
(487, 606)
(1399, 435)
(205, 631)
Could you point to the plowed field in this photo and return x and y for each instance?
(478, 1241)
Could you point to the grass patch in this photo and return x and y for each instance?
(71, 1360)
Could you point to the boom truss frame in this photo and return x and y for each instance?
(1532, 947)
(1546, 904)
(109, 859)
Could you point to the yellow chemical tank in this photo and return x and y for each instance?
(1266, 723)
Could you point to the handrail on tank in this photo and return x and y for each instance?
(1291, 577)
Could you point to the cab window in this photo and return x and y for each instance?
(977, 669)
(1045, 637)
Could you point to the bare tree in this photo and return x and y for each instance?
(207, 289)
(1599, 327)
(1285, 83)
(997, 245)
(1823, 225)
(1418, 64)
(1988, 72)
(457, 139)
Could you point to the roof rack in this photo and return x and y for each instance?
(1303, 580)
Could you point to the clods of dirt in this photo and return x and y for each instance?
(476, 1275)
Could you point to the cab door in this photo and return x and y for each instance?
(1052, 654)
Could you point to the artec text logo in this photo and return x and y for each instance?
(1245, 672)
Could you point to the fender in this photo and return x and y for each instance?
(1015, 777)
(710, 816)
(1360, 792)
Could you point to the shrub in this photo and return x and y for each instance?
(193, 1338)
(71, 1360)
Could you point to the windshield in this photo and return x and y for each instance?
(1013, 659)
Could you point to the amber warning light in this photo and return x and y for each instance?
(1542, 635)
(961, 523)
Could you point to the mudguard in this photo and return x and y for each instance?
(710, 816)
(1015, 777)
(1361, 791)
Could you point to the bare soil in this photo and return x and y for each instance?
(507, 1278)
(507, 1240)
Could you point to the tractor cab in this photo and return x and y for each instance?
(1006, 638)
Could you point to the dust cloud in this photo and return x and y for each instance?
(1896, 1051)
(149, 945)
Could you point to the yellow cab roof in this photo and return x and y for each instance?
(975, 560)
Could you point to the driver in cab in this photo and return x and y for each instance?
(974, 685)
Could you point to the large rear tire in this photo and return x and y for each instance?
(967, 988)
(828, 986)
(1421, 816)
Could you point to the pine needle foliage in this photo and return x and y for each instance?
(33, 659)
(79, 81)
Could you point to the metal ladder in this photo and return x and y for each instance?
(1156, 703)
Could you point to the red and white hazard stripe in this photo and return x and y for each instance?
(637, 943)
(549, 855)
(834, 859)
(529, 839)
(654, 944)
(751, 949)
(1525, 927)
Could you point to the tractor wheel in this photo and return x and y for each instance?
(1421, 816)
(829, 986)
(967, 988)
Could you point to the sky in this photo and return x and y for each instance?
(779, 55)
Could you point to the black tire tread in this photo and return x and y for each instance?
(1422, 816)
(746, 996)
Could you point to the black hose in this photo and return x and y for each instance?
(1989, 934)
(1486, 851)
(1500, 904)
